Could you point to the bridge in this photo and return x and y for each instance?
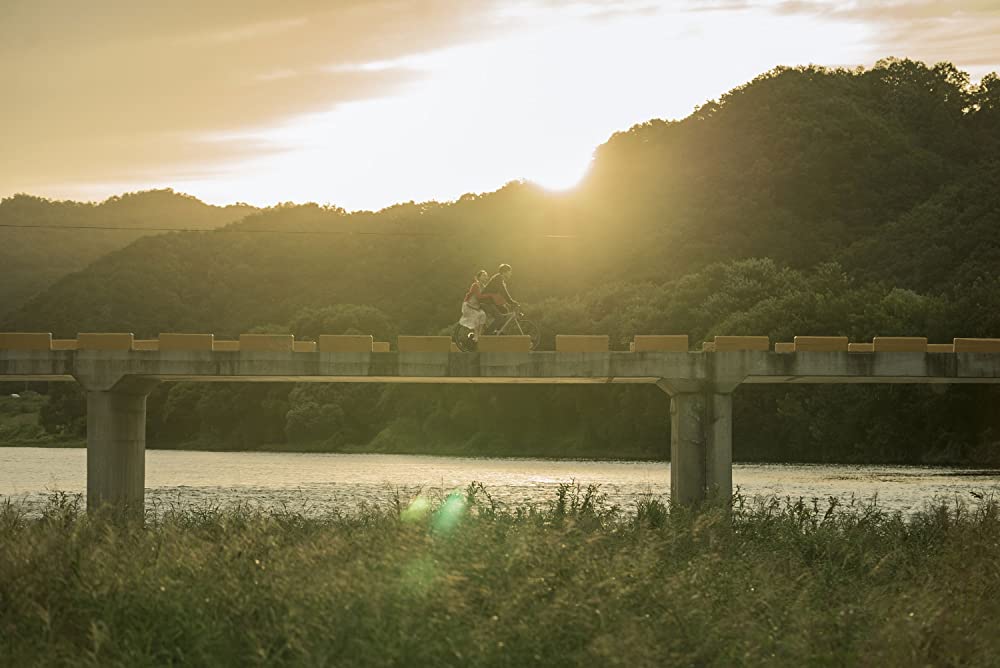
(118, 372)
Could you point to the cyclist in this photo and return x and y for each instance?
(496, 296)
(473, 316)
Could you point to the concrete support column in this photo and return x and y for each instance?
(701, 446)
(116, 449)
(719, 446)
(688, 415)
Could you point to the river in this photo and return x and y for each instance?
(316, 483)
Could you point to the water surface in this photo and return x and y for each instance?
(322, 482)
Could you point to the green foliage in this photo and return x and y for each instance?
(19, 417)
(65, 412)
(337, 415)
(309, 323)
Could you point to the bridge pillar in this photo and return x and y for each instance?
(701, 444)
(116, 448)
(688, 413)
(719, 446)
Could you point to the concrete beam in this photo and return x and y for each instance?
(720, 369)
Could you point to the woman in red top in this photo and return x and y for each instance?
(473, 316)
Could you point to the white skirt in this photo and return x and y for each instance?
(472, 318)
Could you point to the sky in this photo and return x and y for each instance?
(366, 103)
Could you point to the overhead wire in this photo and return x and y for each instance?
(225, 229)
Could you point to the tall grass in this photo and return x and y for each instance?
(466, 581)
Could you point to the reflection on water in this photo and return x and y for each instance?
(324, 482)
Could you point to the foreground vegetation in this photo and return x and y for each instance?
(462, 581)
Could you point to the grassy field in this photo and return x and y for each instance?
(462, 582)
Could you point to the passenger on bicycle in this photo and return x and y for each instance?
(473, 315)
(495, 296)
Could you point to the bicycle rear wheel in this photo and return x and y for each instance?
(530, 329)
(460, 335)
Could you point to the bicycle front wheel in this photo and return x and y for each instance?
(529, 328)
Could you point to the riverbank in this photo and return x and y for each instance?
(20, 423)
(463, 581)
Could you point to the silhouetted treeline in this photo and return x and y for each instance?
(34, 252)
(809, 201)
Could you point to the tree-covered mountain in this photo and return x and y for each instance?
(809, 201)
(40, 239)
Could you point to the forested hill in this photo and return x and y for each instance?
(34, 251)
(796, 166)
(809, 201)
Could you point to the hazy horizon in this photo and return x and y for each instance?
(368, 104)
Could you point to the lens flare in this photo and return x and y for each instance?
(416, 511)
(450, 514)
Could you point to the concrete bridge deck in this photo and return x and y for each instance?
(699, 385)
(104, 369)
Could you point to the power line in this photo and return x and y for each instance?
(251, 231)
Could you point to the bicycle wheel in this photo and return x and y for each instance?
(530, 329)
(460, 335)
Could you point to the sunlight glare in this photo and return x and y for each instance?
(531, 105)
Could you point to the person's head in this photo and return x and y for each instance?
(482, 275)
(505, 270)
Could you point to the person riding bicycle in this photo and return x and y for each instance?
(495, 297)
(473, 316)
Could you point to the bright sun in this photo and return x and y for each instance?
(533, 105)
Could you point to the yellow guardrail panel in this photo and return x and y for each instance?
(424, 344)
(821, 344)
(104, 341)
(266, 343)
(178, 341)
(900, 344)
(346, 343)
(25, 341)
(964, 345)
(582, 343)
(733, 343)
(504, 344)
(673, 343)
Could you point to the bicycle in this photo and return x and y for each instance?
(510, 323)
